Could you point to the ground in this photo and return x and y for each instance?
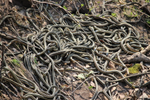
(28, 73)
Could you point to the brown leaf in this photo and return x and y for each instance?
(44, 23)
(10, 1)
(113, 89)
(68, 79)
(115, 96)
(144, 95)
(74, 75)
(5, 28)
(64, 86)
(129, 65)
(6, 97)
(90, 95)
(111, 65)
(121, 96)
(92, 84)
(130, 92)
(87, 66)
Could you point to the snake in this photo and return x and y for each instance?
(78, 39)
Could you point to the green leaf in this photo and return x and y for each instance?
(65, 7)
(134, 69)
(136, 15)
(98, 15)
(15, 62)
(114, 14)
(90, 87)
(84, 75)
(130, 81)
(131, 13)
(147, 1)
(90, 9)
(82, 5)
(81, 76)
(89, 73)
(148, 21)
(86, 14)
(35, 60)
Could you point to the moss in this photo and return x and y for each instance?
(134, 69)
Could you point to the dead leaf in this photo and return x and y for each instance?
(44, 23)
(144, 95)
(87, 66)
(68, 79)
(20, 56)
(92, 84)
(76, 68)
(122, 1)
(113, 89)
(81, 76)
(75, 83)
(90, 95)
(5, 29)
(5, 96)
(129, 65)
(10, 1)
(130, 92)
(121, 96)
(115, 96)
(74, 75)
(64, 86)
(111, 65)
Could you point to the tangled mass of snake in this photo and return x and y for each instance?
(50, 50)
